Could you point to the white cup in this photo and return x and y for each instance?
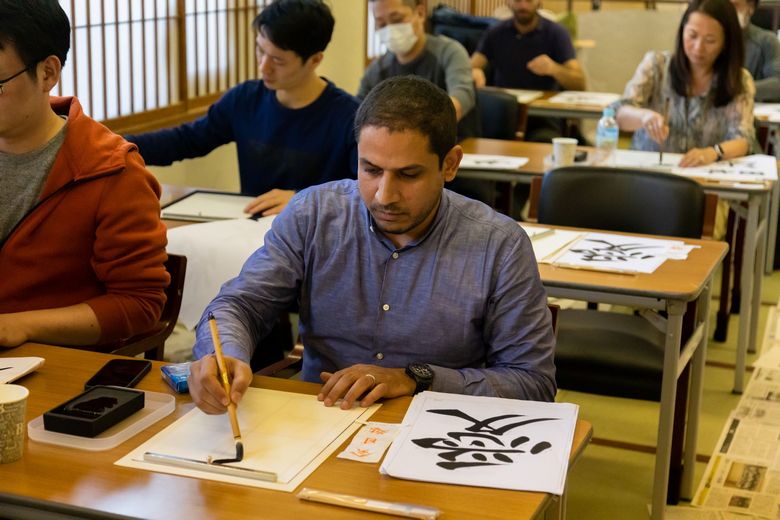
(13, 401)
(564, 149)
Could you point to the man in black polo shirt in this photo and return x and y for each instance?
(528, 52)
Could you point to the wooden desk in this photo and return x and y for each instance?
(757, 216)
(542, 107)
(673, 287)
(90, 479)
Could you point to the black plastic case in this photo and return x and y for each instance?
(94, 411)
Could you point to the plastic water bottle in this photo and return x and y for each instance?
(607, 134)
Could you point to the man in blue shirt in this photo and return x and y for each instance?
(292, 129)
(403, 285)
(528, 52)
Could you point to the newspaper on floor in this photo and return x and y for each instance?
(743, 475)
(702, 513)
(769, 359)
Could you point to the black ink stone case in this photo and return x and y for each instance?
(94, 411)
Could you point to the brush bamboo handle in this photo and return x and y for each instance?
(224, 375)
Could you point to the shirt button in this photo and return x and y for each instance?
(380, 356)
(395, 255)
(385, 307)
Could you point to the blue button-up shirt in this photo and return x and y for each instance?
(465, 298)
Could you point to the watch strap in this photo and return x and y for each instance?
(719, 151)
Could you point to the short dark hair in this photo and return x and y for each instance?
(728, 65)
(302, 26)
(36, 29)
(404, 103)
(409, 3)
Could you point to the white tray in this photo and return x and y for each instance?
(156, 406)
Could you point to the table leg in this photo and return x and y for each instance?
(746, 297)
(696, 388)
(771, 236)
(758, 278)
(666, 415)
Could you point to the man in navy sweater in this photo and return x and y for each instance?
(293, 129)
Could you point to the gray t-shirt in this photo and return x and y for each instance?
(445, 63)
(22, 178)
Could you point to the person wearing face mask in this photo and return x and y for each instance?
(400, 25)
(762, 52)
(697, 100)
(528, 51)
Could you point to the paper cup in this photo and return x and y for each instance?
(13, 401)
(564, 149)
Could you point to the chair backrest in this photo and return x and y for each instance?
(152, 342)
(499, 114)
(618, 199)
(463, 28)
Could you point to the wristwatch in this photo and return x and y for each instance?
(422, 375)
(719, 151)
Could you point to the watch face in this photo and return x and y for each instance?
(421, 370)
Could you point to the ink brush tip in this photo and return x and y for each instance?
(239, 450)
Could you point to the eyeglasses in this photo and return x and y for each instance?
(6, 80)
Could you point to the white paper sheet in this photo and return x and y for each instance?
(576, 97)
(215, 253)
(286, 433)
(748, 169)
(205, 206)
(484, 441)
(474, 161)
(768, 111)
(617, 253)
(371, 442)
(12, 368)
(524, 96)
(536, 232)
(547, 246)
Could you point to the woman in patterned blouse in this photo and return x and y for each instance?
(698, 100)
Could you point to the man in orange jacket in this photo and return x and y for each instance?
(81, 243)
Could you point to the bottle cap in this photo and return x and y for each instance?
(609, 112)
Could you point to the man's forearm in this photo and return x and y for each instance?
(569, 78)
(768, 89)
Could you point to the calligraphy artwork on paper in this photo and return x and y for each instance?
(492, 441)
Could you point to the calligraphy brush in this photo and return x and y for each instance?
(226, 385)
(662, 145)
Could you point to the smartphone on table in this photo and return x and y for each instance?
(120, 372)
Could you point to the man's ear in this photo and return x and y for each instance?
(49, 71)
(315, 59)
(451, 163)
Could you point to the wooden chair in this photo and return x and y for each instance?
(152, 343)
(603, 352)
(293, 362)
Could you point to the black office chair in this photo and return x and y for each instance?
(603, 352)
(499, 114)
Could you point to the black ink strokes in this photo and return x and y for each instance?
(484, 442)
(609, 252)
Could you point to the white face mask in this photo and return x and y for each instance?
(399, 38)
